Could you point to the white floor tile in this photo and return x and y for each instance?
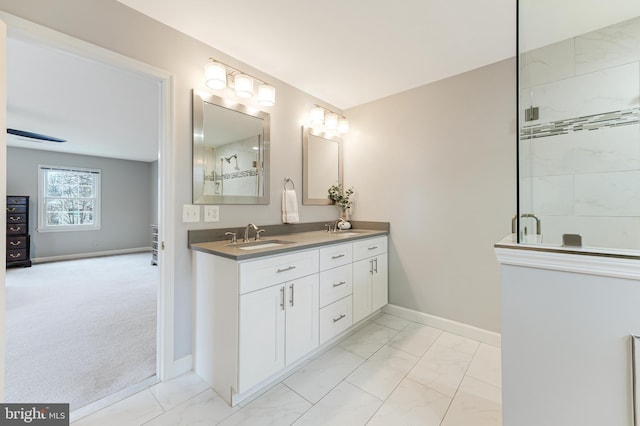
(486, 365)
(368, 340)
(476, 403)
(415, 338)
(381, 373)
(321, 375)
(132, 411)
(279, 406)
(458, 343)
(412, 404)
(391, 321)
(346, 405)
(176, 391)
(441, 368)
(204, 409)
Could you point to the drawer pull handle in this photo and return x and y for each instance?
(290, 268)
(373, 248)
(340, 283)
(338, 318)
(12, 229)
(15, 243)
(337, 257)
(14, 218)
(13, 255)
(12, 209)
(291, 300)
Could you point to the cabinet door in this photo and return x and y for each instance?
(261, 336)
(379, 283)
(302, 322)
(362, 272)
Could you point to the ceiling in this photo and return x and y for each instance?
(344, 52)
(101, 110)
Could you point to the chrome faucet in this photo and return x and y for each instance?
(246, 232)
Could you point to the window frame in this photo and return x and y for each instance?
(42, 199)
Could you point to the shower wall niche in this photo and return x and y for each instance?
(579, 139)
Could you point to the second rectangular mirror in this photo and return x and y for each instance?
(321, 165)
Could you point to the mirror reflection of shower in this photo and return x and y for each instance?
(228, 160)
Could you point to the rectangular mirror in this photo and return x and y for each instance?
(230, 152)
(321, 165)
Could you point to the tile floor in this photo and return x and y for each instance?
(389, 372)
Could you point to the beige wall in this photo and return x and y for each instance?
(438, 162)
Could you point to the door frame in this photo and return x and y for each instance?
(166, 367)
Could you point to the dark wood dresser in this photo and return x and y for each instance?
(18, 241)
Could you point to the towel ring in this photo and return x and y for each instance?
(286, 180)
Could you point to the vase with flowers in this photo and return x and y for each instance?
(342, 198)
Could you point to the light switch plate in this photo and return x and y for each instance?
(212, 213)
(190, 213)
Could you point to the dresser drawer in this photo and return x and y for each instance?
(369, 247)
(16, 229)
(16, 208)
(16, 243)
(262, 273)
(16, 255)
(335, 284)
(16, 218)
(337, 255)
(335, 318)
(12, 200)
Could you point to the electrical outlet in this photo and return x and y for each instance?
(190, 213)
(212, 213)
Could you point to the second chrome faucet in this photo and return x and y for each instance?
(258, 231)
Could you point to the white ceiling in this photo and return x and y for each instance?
(99, 109)
(344, 52)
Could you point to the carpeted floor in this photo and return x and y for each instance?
(80, 330)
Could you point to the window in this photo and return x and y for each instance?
(69, 199)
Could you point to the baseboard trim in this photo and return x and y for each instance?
(485, 336)
(86, 255)
(178, 367)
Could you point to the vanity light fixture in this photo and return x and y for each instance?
(219, 76)
(215, 75)
(323, 117)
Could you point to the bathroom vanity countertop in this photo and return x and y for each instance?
(297, 241)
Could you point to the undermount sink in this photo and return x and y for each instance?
(256, 245)
(346, 233)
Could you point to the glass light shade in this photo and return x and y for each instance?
(331, 121)
(215, 75)
(343, 125)
(316, 115)
(243, 86)
(266, 95)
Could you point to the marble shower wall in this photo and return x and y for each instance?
(580, 160)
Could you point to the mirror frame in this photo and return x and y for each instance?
(199, 99)
(306, 131)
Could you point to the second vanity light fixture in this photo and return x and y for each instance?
(331, 121)
(218, 76)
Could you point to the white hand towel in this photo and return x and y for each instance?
(290, 206)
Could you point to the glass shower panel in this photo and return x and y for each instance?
(579, 137)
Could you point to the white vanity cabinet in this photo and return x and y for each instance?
(255, 318)
(336, 284)
(370, 276)
(278, 325)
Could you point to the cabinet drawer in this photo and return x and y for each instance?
(369, 247)
(335, 284)
(337, 255)
(11, 200)
(18, 208)
(16, 218)
(262, 273)
(16, 242)
(15, 255)
(335, 318)
(16, 229)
